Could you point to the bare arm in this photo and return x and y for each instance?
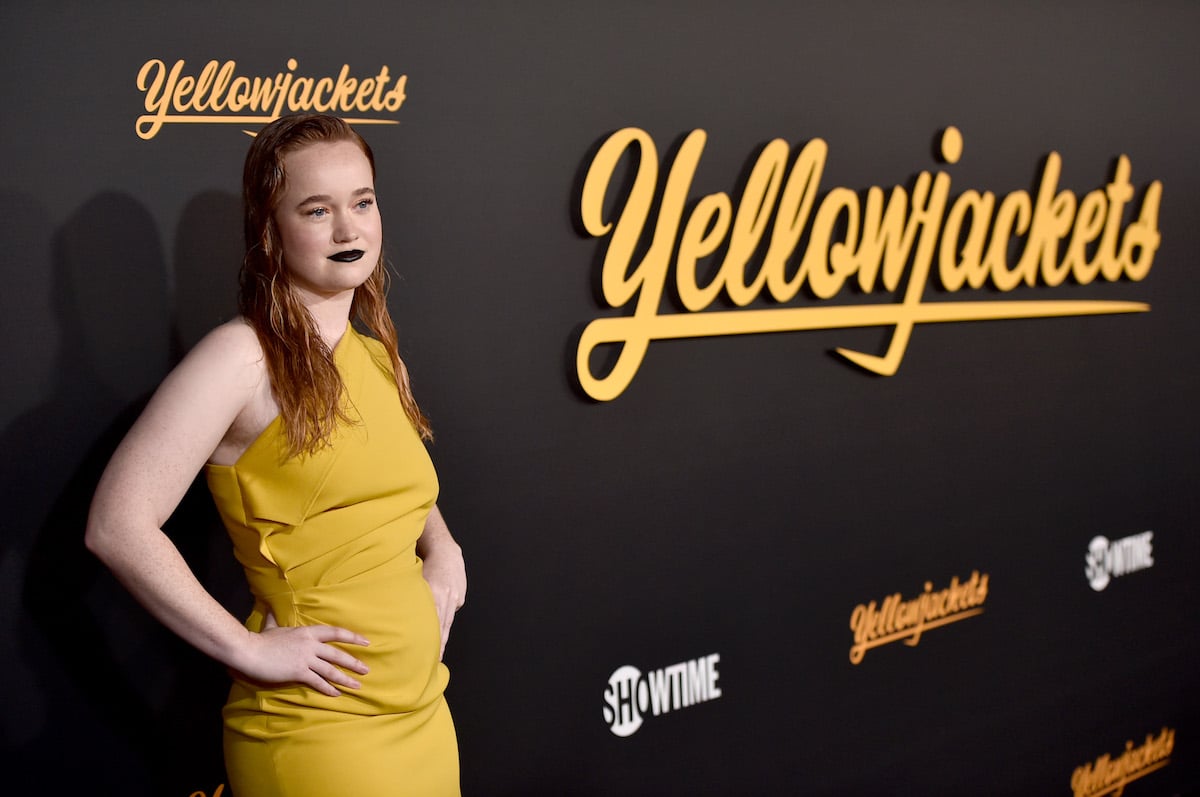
(190, 414)
(444, 569)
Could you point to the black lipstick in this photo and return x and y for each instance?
(349, 256)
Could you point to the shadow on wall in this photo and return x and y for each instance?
(208, 254)
(29, 337)
(137, 707)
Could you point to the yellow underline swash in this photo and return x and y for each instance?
(635, 332)
(788, 319)
(250, 120)
(1130, 778)
(883, 640)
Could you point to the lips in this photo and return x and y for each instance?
(349, 256)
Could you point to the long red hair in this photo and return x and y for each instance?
(304, 379)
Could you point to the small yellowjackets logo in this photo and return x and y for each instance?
(895, 619)
(1110, 774)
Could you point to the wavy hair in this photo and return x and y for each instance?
(304, 379)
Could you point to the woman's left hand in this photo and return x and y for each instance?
(444, 570)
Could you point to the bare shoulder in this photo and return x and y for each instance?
(215, 381)
(233, 347)
(232, 357)
(228, 360)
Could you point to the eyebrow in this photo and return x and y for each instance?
(324, 198)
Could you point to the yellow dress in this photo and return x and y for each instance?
(330, 539)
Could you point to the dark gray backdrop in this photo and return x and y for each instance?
(741, 497)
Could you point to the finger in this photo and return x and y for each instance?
(320, 684)
(445, 636)
(333, 675)
(342, 659)
(454, 600)
(333, 633)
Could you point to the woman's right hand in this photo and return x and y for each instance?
(302, 654)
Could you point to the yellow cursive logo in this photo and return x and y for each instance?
(896, 619)
(1110, 775)
(876, 242)
(218, 94)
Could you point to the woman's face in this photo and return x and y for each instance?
(328, 221)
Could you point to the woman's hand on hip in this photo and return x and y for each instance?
(447, 578)
(302, 654)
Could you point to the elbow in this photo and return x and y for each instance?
(118, 538)
(98, 536)
(94, 537)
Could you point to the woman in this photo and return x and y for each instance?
(312, 446)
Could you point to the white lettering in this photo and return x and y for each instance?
(1107, 559)
(660, 692)
(630, 696)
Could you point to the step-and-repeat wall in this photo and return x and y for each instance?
(815, 385)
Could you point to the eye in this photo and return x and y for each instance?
(318, 213)
(363, 204)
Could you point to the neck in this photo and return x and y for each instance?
(331, 314)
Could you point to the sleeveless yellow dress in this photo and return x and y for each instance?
(330, 539)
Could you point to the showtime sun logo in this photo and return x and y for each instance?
(1107, 560)
(632, 695)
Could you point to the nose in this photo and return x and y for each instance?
(344, 230)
